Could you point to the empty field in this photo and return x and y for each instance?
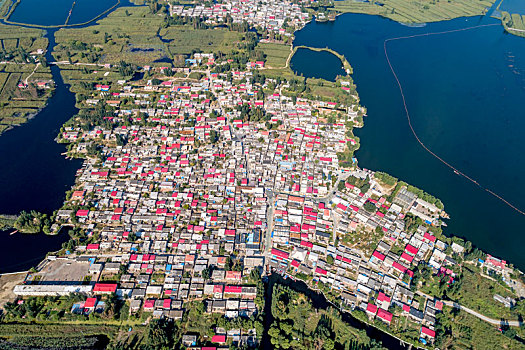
(185, 39)
(276, 54)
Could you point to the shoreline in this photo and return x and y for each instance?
(344, 62)
(341, 57)
(58, 26)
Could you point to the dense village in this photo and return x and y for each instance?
(194, 190)
(210, 180)
(277, 17)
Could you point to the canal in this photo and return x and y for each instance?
(35, 174)
(319, 302)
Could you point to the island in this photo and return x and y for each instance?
(220, 204)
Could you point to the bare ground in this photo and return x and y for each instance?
(7, 283)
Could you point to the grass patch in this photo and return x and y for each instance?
(186, 39)
(460, 330)
(514, 23)
(128, 33)
(417, 11)
(136, 36)
(276, 54)
(28, 38)
(477, 293)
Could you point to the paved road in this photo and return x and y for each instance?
(474, 313)
(269, 226)
(326, 199)
(480, 316)
(271, 208)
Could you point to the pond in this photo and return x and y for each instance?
(56, 12)
(301, 63)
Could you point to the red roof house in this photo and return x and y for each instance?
(105, 288)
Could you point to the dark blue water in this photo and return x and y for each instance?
(513, 6)
(332, 64)
(35, 176)
(55, 12)
(465, 93)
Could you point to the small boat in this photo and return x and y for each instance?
(12, 233)
(456, 172)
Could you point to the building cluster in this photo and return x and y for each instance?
(179, 211)
(272, 15)
(308, 237)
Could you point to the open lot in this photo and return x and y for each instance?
(7, 283)
(63, 271)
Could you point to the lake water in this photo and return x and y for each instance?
(513, 6)
(332, 65)
(35, 176)
(55, 12)
(465, 94)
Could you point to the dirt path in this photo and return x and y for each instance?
(7, 283)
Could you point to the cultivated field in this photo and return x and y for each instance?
(136, 36)
(276, 54)
(30, 39)
(418, 11)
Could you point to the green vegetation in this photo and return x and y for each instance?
(276, 54)
(514, 23)
(362, 184)
(54, 331)
(7, 221)
(477, 293)
(20, 41)
(459, 330)
(18, 45)
(38, 342)
(32, 222)
(136, 35)
(128, 34)
(370, 207)
(385, 178)
(298, 325)
(185, 39)
(416, 11)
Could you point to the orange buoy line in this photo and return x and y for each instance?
(457, 171)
